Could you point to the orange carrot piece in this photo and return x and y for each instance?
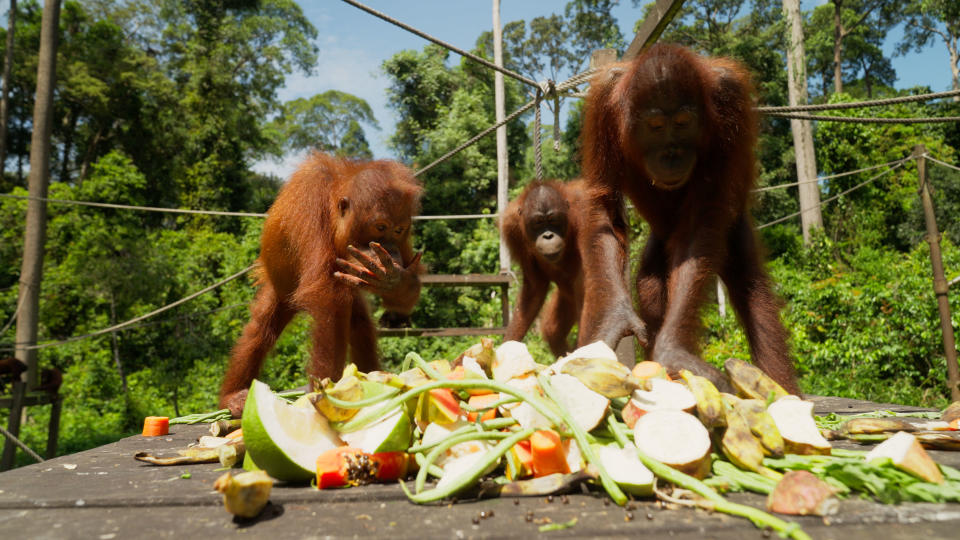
(482, 401)
(955, 424)
(649, 370)
(524, 456)
(548, 455)
(154, 426)
(235, 434)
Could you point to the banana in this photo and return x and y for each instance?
(709, 404)
(739, 445)
(752, 383)
(762, 425)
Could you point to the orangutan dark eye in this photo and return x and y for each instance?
(398, 231)
(381, 227)
(656, 123)
(683, 118)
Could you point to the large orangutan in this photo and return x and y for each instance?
(309, 262)
(675, 133)
(541, 228)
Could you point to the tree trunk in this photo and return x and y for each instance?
(955, 66)
(810, 217)
(5, 99)
(116, 344)
(34, 239)
(503, 165)
(837, 46)
(70, 123)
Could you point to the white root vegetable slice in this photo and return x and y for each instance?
(794, 420)
(597, 349)
(587, 407)
(906, 453)
(664, 395)
(675, 438)
(513, 360)
(626, 469)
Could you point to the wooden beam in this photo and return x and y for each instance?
(660, 16)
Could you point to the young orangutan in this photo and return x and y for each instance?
(541, 229)
(310, 261)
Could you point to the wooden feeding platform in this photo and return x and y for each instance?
(105, 493)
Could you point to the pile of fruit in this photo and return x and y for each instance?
(496, 422)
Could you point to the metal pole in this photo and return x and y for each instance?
(503, 170)
(940, 286)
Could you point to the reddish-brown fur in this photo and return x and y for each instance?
(697, 230)
(327, 205)
(566, 304)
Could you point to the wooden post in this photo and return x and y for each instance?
(34, 237)
(19, 389)
(940, 286)
(503, 170)
(650, 29)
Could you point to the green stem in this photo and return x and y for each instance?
(343, 404)
(422, 364)
(469, 479)
(714, 500)
(495, 423)
(196, 418)
(447, 443)
(493, 405)
(585, 448)
(432, 469)
(372, 415)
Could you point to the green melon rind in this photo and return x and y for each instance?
(260, 442)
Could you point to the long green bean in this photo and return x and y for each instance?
(494, 423)
(447, 443)
(468, 479)
(360, 403)
(371, 415)
(714, 500)
(584, 443)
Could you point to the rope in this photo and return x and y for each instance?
(476, 137)
(460, 216)
(858, 104)
(140, 318)
(838, 195)
(444, 44)
(537, 148)
(22, 446)
(210, 212)
(944, 163)
(855, 120)
(13, 317)
(131, 207)
(822, 178)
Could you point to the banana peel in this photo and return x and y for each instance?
(193, 454)
(872, 426)
(762, 426)
(245, 494)
(604, 376)
(740, 446)
(348, 388)
(751, 382)
(709, 403)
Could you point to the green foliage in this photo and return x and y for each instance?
(329, 122)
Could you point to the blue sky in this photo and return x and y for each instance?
(353, 45)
